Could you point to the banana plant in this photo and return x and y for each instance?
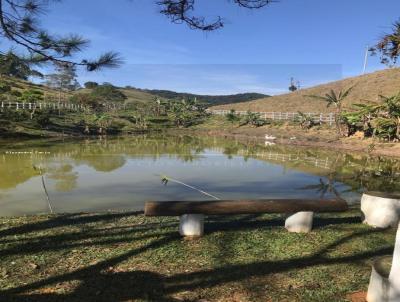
(306, 121)
(334, 99)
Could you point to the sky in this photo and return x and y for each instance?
(314, 41)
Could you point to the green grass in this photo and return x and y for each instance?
(129, 257)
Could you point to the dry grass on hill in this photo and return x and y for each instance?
(366, 88)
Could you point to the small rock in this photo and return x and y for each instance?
(34, 265)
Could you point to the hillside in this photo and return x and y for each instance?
(209, 99)
(133, 95)
(366, 88)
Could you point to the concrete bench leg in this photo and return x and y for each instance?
(384, 286)
(380, 211)
(191, 225)
(300, 222)
(394, 276)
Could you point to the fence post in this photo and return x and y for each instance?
(17, 105)
(330, 119)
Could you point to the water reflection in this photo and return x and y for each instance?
(122, 173)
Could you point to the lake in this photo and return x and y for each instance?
(122, 173)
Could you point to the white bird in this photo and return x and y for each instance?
(269, 137)
(269, 143)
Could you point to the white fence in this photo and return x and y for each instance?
(328, 118)
(54, 105)
(35, 106)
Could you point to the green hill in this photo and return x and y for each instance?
(209, 99)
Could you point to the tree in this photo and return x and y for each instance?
(89, 101)
(377, 119)
(292, 86)
(306, 121)
(253, 119)
(91, 85)
(14, 66)
(232, 116)
(31, 96)
(336, 100)
(19, 24)
(389, 46)
(109, 93)
(179, 11)
(64, 79)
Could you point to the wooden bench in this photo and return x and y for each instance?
(192, 212)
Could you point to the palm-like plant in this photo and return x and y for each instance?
(306, 121)
(334, 99)
(387, 122)
(389, 46)
(253, 119)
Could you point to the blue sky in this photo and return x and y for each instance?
(314, 41)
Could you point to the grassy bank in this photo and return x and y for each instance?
(128, 257)
(288, 133)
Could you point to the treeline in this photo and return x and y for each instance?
(207, 99)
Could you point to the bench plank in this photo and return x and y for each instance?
(220, 207)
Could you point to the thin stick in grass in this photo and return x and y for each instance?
(165, 179)
(44, 188)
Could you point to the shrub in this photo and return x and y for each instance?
(109, 93)
(253, 119)
(91, 85)
(232, 116)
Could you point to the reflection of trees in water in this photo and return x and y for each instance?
(373, 174)
(357, 171)
(65, 177)
(14, 170)
(103, 163)
(323, 187)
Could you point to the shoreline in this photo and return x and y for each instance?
(315, 140)
(290, 136)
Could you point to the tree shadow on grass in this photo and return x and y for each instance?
(97, 283)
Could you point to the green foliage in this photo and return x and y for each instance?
(232, 116)
(332, 98)
(335, 99)
(20, 26)
(88, 100)
(380, 120)
(207, 99)
(185, 113)
(64, 78)
(31, 96)
(15, 66)
(253, 119)
(42, 118)
(109, 93)
(389, 46)
(306, 121)
(4, 87)
(91, 85)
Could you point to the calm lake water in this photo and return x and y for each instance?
(123, 173)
